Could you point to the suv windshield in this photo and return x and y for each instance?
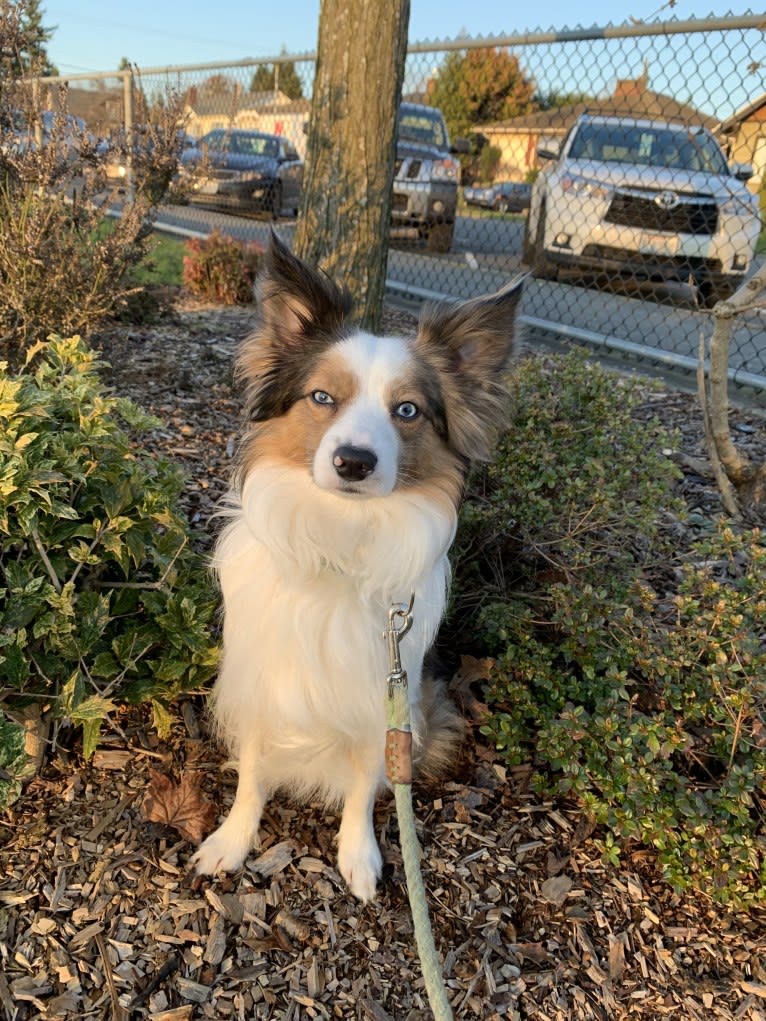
(421, 126)
(647, 146)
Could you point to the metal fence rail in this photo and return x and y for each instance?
(626, 238)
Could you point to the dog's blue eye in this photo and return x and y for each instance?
(321, 397)
(407, 410)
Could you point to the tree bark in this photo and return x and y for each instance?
(742, 477)
(346, 203)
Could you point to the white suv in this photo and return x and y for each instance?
(653, 199)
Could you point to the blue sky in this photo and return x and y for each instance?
(92, 35)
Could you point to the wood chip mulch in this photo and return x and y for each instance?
(100, 919)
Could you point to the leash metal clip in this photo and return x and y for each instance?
(393, 635)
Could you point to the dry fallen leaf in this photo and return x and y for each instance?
(555, 890)
(471, 671)
(180, 805)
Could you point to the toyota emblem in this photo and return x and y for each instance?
(667, 200)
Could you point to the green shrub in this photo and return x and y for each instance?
(632, 673)
(102, 597)
(220, 268)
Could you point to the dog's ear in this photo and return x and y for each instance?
(471, 344)
(300, 312)
(298, 305)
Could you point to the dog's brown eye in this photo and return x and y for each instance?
(321, 397)
(407, 410)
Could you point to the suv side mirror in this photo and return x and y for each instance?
(549, 150)
(460, 145)
(742, 171)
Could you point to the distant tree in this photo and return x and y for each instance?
(30, 56)
(554, 100)
(281, 76)
(124, 64)
(346, 202)
(218, 85)
(480, 87)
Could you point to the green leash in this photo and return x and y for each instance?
(399, 772)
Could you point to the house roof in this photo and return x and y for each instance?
(732, 123)
(637, 104)
(237, 102)
(99, 108)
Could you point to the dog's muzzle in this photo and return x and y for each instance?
(353, 464)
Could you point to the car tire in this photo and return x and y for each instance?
(276, 201)
(542, 267)
(439, 237)
(710, 292)
(527, 247)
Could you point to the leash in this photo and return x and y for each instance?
(399, 772)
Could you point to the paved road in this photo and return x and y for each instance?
(487, 254)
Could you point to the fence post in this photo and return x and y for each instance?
(127, 92)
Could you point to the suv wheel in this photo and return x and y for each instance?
(439, 237)
(710, 292)
(527, 248)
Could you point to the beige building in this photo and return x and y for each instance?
(745, 136)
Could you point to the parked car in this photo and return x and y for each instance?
(114, 150)
(502, 196)
(247, 171)
(650, 198)
(426, 177)
(67, 132)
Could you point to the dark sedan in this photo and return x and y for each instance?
(246, 171)
(503, 196)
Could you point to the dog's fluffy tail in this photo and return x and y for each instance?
(442, 734)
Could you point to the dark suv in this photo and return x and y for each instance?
(426, 177)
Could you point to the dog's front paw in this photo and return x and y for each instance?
(223, 851)
(360, 866)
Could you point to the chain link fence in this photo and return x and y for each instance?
(624, 167)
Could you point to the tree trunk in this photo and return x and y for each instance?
(346, 202)
(742, 484)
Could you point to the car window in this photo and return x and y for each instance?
(419, 126)
(676, 148)
(249, 145)
(215, 140)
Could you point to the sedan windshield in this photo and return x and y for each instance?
(241, 144)
(693, 150)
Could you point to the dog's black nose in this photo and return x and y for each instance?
(354, 463)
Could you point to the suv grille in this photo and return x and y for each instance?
(695, 214)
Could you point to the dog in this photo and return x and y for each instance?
(345, 501)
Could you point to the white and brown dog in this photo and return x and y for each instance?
(346, 502)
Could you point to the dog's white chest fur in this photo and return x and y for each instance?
(304, 650)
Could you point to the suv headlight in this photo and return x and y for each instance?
(445, 170)
(584, 187)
